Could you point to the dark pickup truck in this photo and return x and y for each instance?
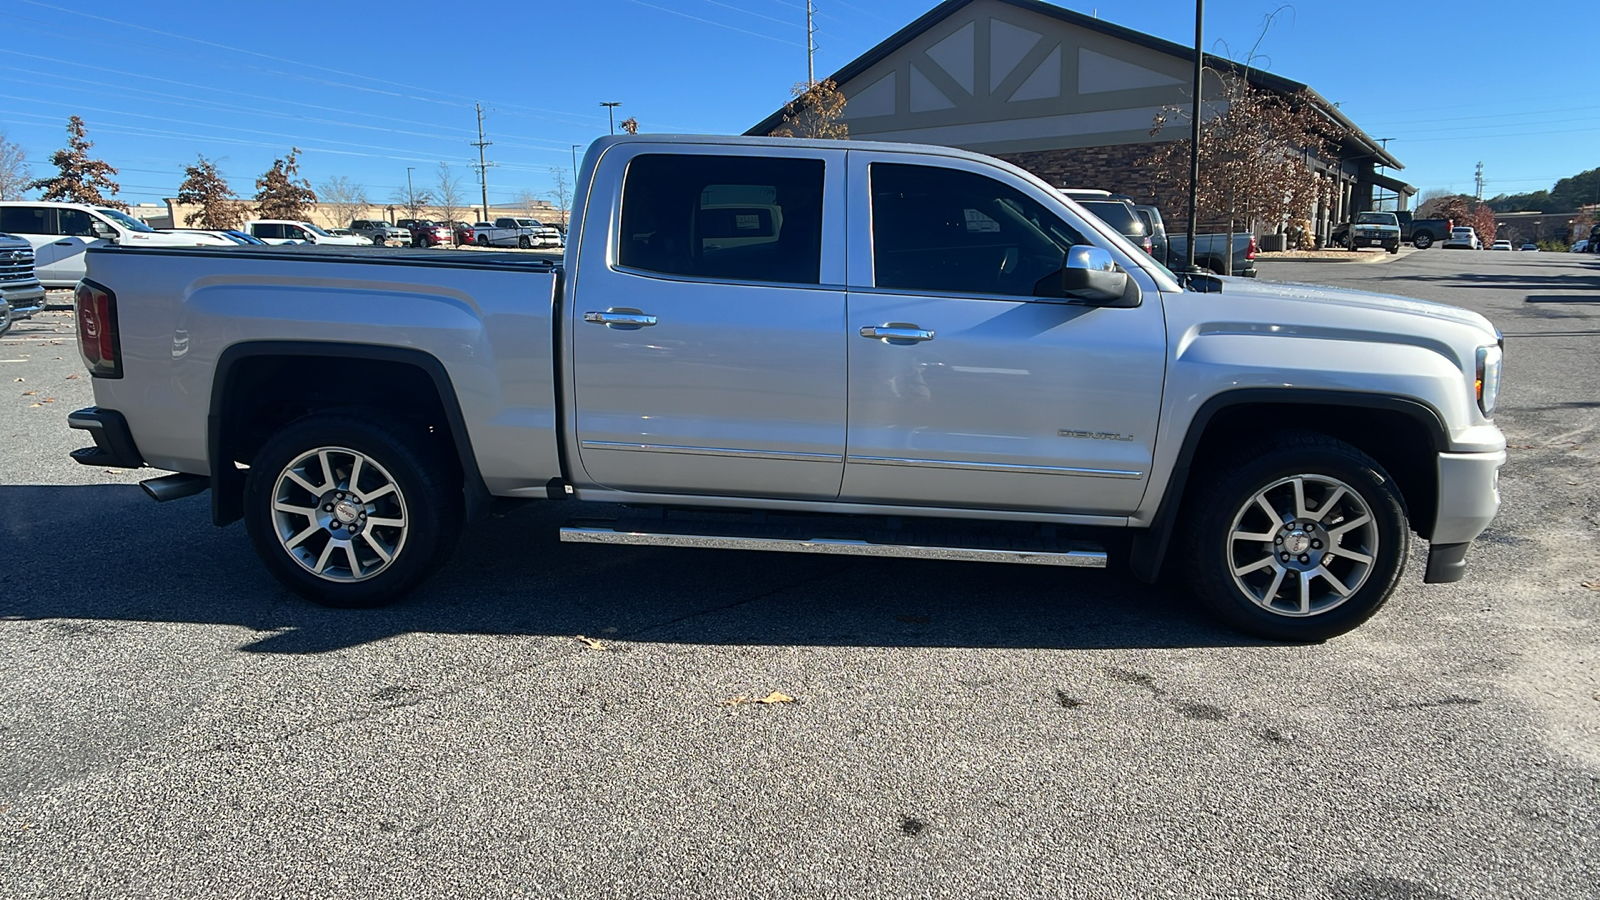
(1423, 233)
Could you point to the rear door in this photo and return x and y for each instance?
(75, 233)
(37, 225)
(707, 322)
(973, 382)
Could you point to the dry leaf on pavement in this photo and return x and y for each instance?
(29, 393)
(1592, 585)
(591, 643)
(774, 697)
(35, 405)
(70, 377)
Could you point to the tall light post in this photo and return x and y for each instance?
(612, 114)
(411, 193)
(575, 164)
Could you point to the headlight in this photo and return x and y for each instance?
(1488, 379)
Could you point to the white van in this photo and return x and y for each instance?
(290, 231)
(60, 232)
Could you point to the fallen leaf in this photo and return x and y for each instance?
(35, 405)
(591, 643)
(1519, 446)
(734, 701)
(48, 400)
(20, 380)
(114, 471)
(29, 393)
(1592, 585)
(71, 377)
(776, 697)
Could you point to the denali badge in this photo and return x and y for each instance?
(1094, 435)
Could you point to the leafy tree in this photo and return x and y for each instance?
(280, 195)
(343, 198)
(1481, 218)
(449, 200)
(15, 176)
(203, 186)
(81, 179)
(815, 112)
(630, 125)
(1455, 207)
(1254, 158)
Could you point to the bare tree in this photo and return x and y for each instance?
(279, 195)
(562, 194)
(630, 125)
(344, 199)
(15, 175)
(81, 179)
(815, 112)
(412, 200)
(447, 196)
(529, 203)
(203, 186)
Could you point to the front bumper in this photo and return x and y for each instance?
(23, 300)
(1469, 496)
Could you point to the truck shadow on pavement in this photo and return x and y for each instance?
(108, 553)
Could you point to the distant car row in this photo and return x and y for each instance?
(1143, 226)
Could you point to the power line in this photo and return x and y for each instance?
(714, 22)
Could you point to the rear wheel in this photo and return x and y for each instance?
(524, 243)
(1301, 540)
(349, 511)
(483, 240)
(1422, 241)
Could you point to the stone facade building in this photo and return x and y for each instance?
(1069, 97)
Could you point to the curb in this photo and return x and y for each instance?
(1363, 257)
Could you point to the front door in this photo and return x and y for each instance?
(708, 351)
(974, 383)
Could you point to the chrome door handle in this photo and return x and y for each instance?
(620, 318)
(897, 333)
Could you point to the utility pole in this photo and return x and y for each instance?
(811, 43)
(611, 113)
(1478, 179)
(1194, 135)
(411, 192)
(483, 166)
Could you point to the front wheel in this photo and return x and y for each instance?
(349, 511)
(524, 243)
(1422, 241)
(1301, 540)
(483, 240)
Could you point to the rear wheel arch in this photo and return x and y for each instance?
(261, 387)
(1402, 434)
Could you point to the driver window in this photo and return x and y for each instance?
(936, 229)
(76, 223)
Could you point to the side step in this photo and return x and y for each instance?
(1011, 545)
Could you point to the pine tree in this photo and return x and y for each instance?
(81, 179)
(279, 195)
(204, 186)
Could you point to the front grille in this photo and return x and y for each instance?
(16, 265)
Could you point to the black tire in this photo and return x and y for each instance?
(426, 497)
(523, 243)
(483, 240)
(377, 240)
(1422, 241)
(1394, 249)
(1226, 498)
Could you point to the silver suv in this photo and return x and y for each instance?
(381, 233)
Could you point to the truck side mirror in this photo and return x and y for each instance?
(1089, 273)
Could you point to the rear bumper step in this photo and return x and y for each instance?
(1046, 551)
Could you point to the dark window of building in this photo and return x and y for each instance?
(733, 218)
(936, 229)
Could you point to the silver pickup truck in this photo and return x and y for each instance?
(824, 347)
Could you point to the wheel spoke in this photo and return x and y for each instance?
(1300, 511)
(385, 522)
(1277, 582)
(322, 561)
(306, 511)
(295, 541)
(377, 548)
(1324, 509)
(310, 488)
(1355, 555)
(350, 554)
(1261, 563)
(1339, 532)
(1274, 515)
(384, 491)
(1305, 593)
(355, 475)
(1331, 579)
(1262, 536)
(327, 470)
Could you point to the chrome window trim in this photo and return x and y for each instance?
(991, 467)
(695, 279)
(732, 453)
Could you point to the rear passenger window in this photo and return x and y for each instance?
(77, 223)
(733, 218)
(27, 220)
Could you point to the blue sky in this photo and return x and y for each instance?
(367, 89)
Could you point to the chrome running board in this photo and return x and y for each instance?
(1041, 551)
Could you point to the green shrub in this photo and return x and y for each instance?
(1554, 246)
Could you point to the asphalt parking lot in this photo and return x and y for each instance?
(174, 724)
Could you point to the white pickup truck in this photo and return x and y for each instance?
(810, 346)
(516, 232)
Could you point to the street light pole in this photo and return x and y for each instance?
(411, 193)
(612, 115)
(1194, 134)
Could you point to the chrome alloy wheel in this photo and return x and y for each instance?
(339, 514)
(1302, 545)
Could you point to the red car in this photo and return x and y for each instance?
(463, 233)
(429, 234)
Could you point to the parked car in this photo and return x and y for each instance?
(288, 231)
(1532, 247)
(1210, 251)
(21, 294)
(1118, 212)
(1500, 245)
(1370, 229)
(381, 233)
(1424, 233)
(203, 236)
(461, 233)
(356, 433)
(513, 231)
(1579, 246)
(1463, 238)
(427, 233)
(59, 233)
(1153, 223)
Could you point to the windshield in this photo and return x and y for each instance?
(316, 229)
(528, 223)
(1375, 218)
(125, 220)
(1117, 214)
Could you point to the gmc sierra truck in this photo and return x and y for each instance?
(809, 346)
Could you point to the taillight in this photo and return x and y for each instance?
(1149, 245)
(1251, 253)
(97, 330)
